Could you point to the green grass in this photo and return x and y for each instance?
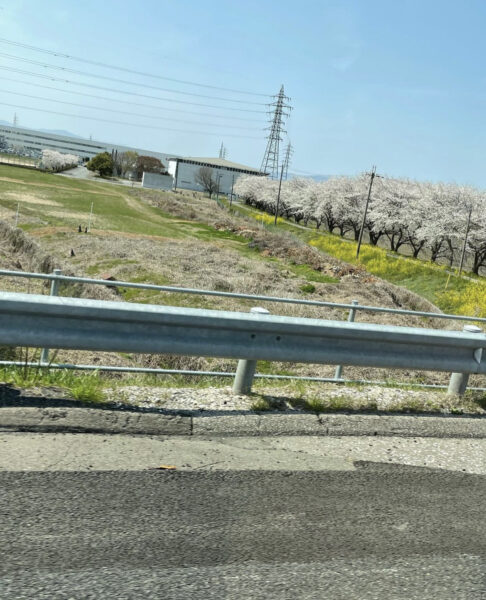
(118, 209)
(311, 274)
(18, 157)
(433, 282)
(111, 211)
(308, 288)
(108, 264)
(87, 387)
(145, 296)
(261, 405)
(424, 278)
(74, 198)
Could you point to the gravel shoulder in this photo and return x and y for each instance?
(299, 398)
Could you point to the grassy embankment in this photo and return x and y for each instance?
(136, 241)
(436, 283)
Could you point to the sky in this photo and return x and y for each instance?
(399, 85)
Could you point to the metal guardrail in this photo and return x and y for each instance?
(259, 297)
(72, 323)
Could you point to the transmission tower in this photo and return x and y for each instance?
(287, 156)
(281, 109)
(15, 120)
(222, 151)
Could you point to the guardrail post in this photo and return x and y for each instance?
(44, 357)
(458, 381)
(245, 370)
(351, 317)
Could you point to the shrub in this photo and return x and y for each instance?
(102, 163)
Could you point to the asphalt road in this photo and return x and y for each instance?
(380, 531)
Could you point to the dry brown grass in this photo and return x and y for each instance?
(215, 264)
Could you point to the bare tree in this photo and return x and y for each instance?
(204, 177)
(126, 162)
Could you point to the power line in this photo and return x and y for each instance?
(55, 112)
(126, 70)
(117, 91)
(189, 112)
(124, 112)
(124, 81)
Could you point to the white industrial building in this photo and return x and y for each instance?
(185, 170)
(31, 142)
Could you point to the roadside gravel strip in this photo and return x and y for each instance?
(216, 411)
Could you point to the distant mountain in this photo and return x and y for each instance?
(320, 177)
(61, 132)
(316, 177)
(53, 131)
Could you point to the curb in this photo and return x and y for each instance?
(94, 420)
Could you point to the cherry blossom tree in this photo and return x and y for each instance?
(56, 161)
(428, 217)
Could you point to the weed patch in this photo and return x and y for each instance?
(85, 387)
(308, 288)
(424, 278)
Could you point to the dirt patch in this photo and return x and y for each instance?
(30, 198)
(48, 231)
(58, 187)
(68, 214)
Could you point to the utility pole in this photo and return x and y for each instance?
(218, 186)
(463, 253)
(278, 195)
(114, 157)
(232, 186)
(175, 175)
(372, 177)
(90, 216)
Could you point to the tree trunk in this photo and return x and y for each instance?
(416, 251)
(374, 237)
(451, 250)
(479, 260)
(416, 247)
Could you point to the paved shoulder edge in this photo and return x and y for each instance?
(93, 420)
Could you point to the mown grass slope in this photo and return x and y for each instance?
(185, 240)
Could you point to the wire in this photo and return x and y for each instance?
(124, 81)
(124, 112)
(189, 112)
(134, 72)
(55, 112)
(117, 91)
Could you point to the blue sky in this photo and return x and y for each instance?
(398, 84)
